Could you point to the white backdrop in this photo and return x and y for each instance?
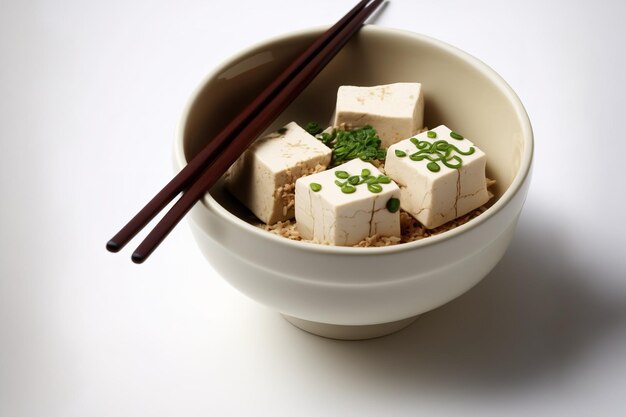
(90, 94)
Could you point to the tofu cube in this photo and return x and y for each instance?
(395, 111)
(431, 191)
(263, 177)
(339, 207)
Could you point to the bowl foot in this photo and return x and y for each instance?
(341, 332)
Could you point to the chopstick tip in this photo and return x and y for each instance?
(113, 246)
(137, 258)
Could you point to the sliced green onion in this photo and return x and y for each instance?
(348, 189)
(313, 128)
(455, 135)
(393, 205)
(433, 166)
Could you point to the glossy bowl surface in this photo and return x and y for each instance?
(347, 292)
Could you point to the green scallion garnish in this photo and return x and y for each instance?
(455, 135)
(362, 143)
(313, 128)
(433, 166)
(393, 205)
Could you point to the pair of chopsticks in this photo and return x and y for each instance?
(219, 154)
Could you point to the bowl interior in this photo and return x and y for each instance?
(459, 91)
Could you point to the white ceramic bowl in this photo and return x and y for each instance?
(346, 292)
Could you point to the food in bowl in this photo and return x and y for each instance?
(440, 180)
(395, 110)
(349, 292)
(263, 177)
(379, 167)
(347, 204)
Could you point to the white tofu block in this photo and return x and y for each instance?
(395, 111)
(331, 216)
(263, 177)
(435, 198)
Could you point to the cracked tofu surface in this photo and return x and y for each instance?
(263, 177)
(334, 217)
(396, 110)
(434, 198)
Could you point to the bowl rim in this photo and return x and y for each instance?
(516, 185)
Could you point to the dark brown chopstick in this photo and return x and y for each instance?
(227, 151)
(266, 116)
(195, 167)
